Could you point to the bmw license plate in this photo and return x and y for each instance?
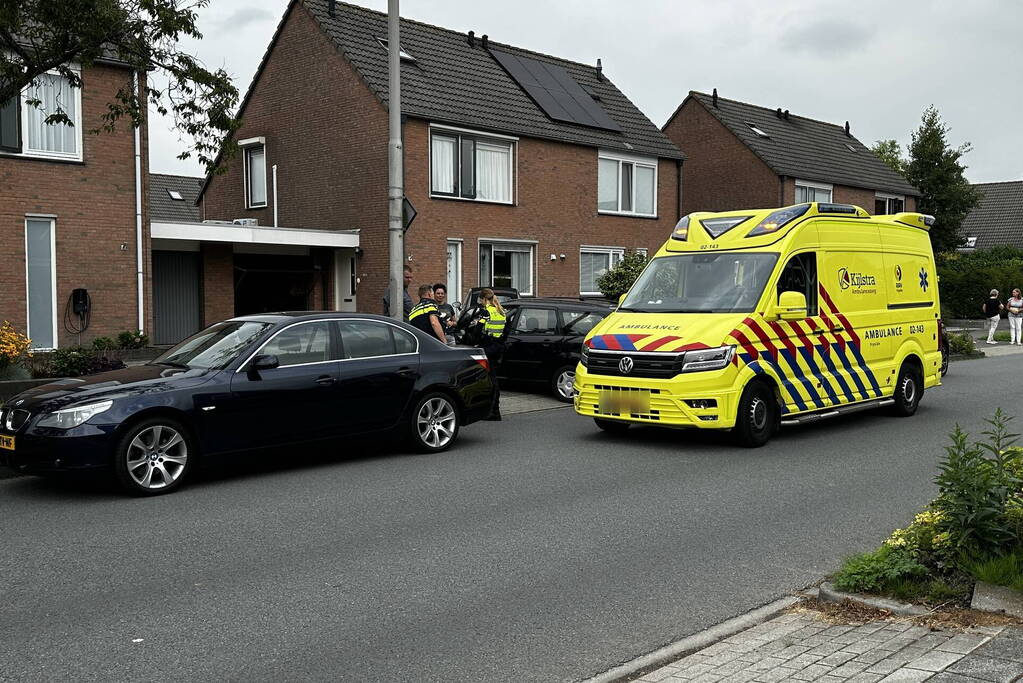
(7, 442)
(625, 402)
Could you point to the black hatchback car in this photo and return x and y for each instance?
(246, 383)
(543, 340)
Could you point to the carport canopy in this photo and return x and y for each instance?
(254, 234)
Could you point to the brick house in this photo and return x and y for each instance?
(537, 183)
(997, 221)
(72, 206)
(744, 156)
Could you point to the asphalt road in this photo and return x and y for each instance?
(539, 549)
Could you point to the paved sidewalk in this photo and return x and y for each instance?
(804, 647)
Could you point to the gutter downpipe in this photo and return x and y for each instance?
(678, 210)
(140, 288)
(275, 193)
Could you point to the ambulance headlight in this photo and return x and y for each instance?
(708, 359)
(584, 358)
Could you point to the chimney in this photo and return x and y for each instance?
(472, 39)
(485, 42)
(600, 70)
(786, 114)
(847, 130)
(330, 7)
(714, 98)
(778, 113)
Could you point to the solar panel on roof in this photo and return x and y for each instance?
(555, 91)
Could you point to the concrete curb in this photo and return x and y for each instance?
(697, 641)
(827, 593)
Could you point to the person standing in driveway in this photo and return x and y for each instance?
(992, 311)
(407, 302)
(1015, 306)
(494, 319)
(424, 314)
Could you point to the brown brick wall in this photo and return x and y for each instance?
(327, 133)
(94, 202)
(217, 282)
(556, 206)
(721, 173)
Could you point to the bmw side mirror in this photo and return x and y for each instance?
(264, 361)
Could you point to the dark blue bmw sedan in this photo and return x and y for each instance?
(250, 382)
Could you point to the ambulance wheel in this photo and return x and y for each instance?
(611, 426)
(757, 416)
(909, 388)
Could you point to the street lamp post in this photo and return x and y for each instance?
(395, 184)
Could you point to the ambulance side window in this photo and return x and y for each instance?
(800, 275)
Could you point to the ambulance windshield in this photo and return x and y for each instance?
(701, 283)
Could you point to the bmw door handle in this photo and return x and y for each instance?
(325, 380)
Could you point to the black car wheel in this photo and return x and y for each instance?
(434, 423)
(154, 456)
(909, 389)
(944, 358)
(611, 426)
(563, 383)
(757, 416)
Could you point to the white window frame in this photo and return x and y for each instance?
(37, 154)
(646, 162)
(247, 147)
(481, 136)
(809, 184)
(529, 246)
(610, 251)
(458, 244)
(887, 197)
(53, 279)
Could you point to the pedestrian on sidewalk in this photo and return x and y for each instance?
(1015, 306)
(992, 311)
(407, 302)
(494, 319)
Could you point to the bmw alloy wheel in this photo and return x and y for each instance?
(157, 457)
(436, 422)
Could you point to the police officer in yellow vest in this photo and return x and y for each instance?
(493, 318)
(425, 316)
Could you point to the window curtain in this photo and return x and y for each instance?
(493, 172)
(257, 176)
(521, 267)
(38, 240)
(592, 265)
(607, 185)
(54, 93)
(644, 190)
(442, 166)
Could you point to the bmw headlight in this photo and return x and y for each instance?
(72, 417)
(708, 359)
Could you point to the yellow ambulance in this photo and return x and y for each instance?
(747, 320)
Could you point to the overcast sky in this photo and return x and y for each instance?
(875, 63)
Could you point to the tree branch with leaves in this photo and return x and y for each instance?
(43, 36)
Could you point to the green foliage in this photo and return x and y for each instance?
(890, 153)
(103, 344)
(1001, 570)
(37, 36)
(935, 169)
(1002, 336)
(977, 484)
(877, 570)
(75, 361)
(964, 280)
(132, 340)
(619, 279)
(961, 343)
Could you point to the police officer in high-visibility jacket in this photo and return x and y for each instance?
(493, 318)
(425, 316)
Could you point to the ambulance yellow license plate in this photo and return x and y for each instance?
(624, 402)
(7, 442)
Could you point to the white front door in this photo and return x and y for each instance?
(454, 272)
(345, 279)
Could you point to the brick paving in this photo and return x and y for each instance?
(803, 647)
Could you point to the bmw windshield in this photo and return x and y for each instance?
(701, 283)
(215, 347)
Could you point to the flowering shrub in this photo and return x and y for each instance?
(132, 339)
(14, 349)
(75, 361)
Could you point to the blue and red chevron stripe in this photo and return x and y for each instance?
(638, 342)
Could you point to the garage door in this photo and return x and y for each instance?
(176, 304)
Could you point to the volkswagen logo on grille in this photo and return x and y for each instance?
(625, 365)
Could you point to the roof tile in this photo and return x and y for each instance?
(998, 219)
